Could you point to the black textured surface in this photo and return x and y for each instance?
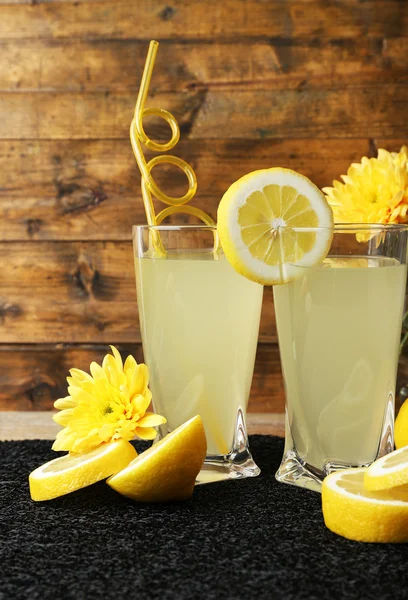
(253, 538)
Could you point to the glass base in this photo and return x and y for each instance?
(237, 464)
(295, 471)
(229, 466)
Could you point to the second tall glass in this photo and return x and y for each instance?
(339, 327)
(199, 321)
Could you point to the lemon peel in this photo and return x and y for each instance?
(401, 427)
(72, 472)
(168, 470)
(260, 221)
(350, 510)
(388, 472)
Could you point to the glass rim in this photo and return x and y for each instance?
(338, 227)
(173, 227)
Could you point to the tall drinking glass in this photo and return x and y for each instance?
(339, 328)
(199, 321)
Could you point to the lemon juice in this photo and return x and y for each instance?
(339, 327)
(199, 321)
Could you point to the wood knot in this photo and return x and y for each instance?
(90, 284)
(85, 276)
(167, 13)
(9, 310)
(41, 396)
(77, 197)
(33, 226)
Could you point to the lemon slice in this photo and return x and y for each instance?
(74, 471)
(260, 222)
(166, 471)
(388, 472)
(357, 514)
(401, 426)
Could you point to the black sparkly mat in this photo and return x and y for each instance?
(253, 538)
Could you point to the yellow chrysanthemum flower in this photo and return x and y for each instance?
(374, 191)
(107, 405)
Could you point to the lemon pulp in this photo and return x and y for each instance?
(272, 223)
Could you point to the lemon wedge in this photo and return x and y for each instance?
(168, 470)
(358, 514)
(401, 427)
(388, 472)
(75, 471)
(260, 221)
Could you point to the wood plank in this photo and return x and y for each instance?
(40, 426)
(375, 111)
(343, 113)
(116, 65)
(76, 292)
(33, 377)
(74, 190)
(205, 19)
(34, 115)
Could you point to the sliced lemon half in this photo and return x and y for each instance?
(358, 514)
(168, 470)
(401, 427)
(388, 472)
(75, 471)
(273, 223)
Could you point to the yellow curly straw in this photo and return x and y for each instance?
(149, 187)
(138, 137)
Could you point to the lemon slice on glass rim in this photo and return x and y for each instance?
(272, 223)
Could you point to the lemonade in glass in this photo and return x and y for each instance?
(199, 321)
(339, 326)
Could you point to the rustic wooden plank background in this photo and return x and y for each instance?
(307, 84)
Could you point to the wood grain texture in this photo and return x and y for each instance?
(33, 377)
(84, 116)
(63, 193)
(117, 65)
(38, 425)
(312, 85)
(213, 113)
(76, 292)
(190, 19)
(341, 113)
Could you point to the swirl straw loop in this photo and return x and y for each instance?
(138, 137)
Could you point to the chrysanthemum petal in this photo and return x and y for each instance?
(106, 432)
(118, 358)
(139, 380)
(146, 433)
(97, 371)
(63, 403)
(64, 440)
(86, 444)
(80, 395)
(151, 420)
(110, 367)
(130, 364)
(79, 375)
(142, 402)
(63, 418)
